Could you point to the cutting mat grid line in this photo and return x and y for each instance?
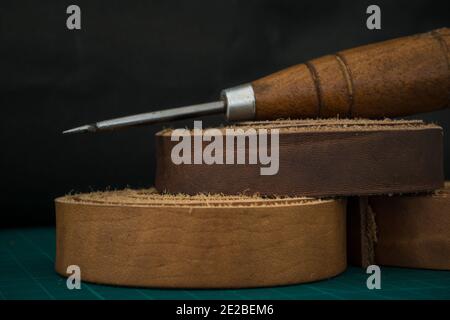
(27, 272)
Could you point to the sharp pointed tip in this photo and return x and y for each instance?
(86, 128)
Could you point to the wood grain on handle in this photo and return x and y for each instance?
(392, 78)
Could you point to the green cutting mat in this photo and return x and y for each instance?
(26, 272)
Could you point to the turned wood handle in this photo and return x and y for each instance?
(392, 78)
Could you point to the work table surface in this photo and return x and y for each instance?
(27, 272)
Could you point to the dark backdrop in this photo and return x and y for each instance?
(136, 56)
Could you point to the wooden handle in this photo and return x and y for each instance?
(392, 78)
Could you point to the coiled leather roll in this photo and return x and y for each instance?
(142, 238)
(406, 231)
(318, 158)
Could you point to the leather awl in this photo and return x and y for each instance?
(393, 78)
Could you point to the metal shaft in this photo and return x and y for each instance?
(237, 103)
(153, 117)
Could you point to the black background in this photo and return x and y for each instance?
(137, 56)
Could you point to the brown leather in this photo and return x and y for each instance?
(411, 231)
(141, 238)
(361, 232)
(388, 79)
(320, 158)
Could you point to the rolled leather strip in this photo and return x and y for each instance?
(361, 232)
(406, 231)
(317, 158)
(142, 238)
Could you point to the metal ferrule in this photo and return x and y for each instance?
(240, 102)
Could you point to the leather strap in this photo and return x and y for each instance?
(319, 158)
(411, 230)
(142, 238)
